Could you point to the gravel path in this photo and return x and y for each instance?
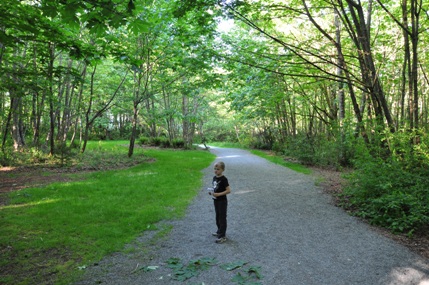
(280, 223)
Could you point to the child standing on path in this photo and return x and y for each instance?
(220, 190)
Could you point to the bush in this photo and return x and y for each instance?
(162, 142)
(391, 192)
(144, 140)
(319, 150)
(178, 143)
(75, 145)
(37, 155)
(399, 211)
(6, 159)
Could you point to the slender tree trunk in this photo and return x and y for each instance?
(370, 77)
(6, 129)
(185, 122)
(416, 6)
(407, 73)
(17, 133)
(88, 112)
(78, 104)
(133, 130)
(51, 99)
(340, 92)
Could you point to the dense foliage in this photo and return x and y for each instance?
(393, 191)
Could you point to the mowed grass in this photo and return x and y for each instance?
(281, 161)
(49, 234)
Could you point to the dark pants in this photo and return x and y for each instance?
(220, 209)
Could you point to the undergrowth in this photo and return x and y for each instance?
(391, 190)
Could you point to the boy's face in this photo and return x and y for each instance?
(218, 170)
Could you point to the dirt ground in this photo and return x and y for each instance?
(13, 179)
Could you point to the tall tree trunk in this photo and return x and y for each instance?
(88, 122)
(133, 130)
(51, 98)
(17, 132)
(6, 129)
(38, 105)
(340, 91)
(359, 31)
(78, 104)
(407, 63)
(416, 6)
(185, 122)
(342, 63)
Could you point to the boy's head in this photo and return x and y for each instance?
(219, 167)
(220, 164)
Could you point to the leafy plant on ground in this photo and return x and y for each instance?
(233, 265)
(183, 272)
(248, 276)
(391, 191)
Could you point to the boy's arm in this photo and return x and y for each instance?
(226, 192)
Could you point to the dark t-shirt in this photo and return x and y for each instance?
(219, 185)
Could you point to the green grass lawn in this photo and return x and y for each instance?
(48, 233)
(281, 161)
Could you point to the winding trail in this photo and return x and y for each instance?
(278, 220)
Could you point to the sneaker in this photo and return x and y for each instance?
(215, 234)
(221, 240)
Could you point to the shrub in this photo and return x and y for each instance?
(75, 145)
(144, 140)
(178, 143)
(319, 150)
(158, 141)
(37, 155)
(162, 142)
(6, 159)
(391, 192)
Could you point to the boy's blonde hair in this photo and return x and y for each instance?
(221, 164)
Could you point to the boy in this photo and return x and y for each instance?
(220, 190)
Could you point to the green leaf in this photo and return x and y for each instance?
(255, 270)
(233, 265)
(174, 263)
(239, 278)
(69, 16)
(139, 26)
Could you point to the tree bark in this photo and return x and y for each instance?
(51, 99)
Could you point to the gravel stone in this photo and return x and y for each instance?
(278, 220)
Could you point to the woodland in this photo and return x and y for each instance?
(333, 83)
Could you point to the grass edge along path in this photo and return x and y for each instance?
(50, 233)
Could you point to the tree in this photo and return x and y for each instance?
(410, 25)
